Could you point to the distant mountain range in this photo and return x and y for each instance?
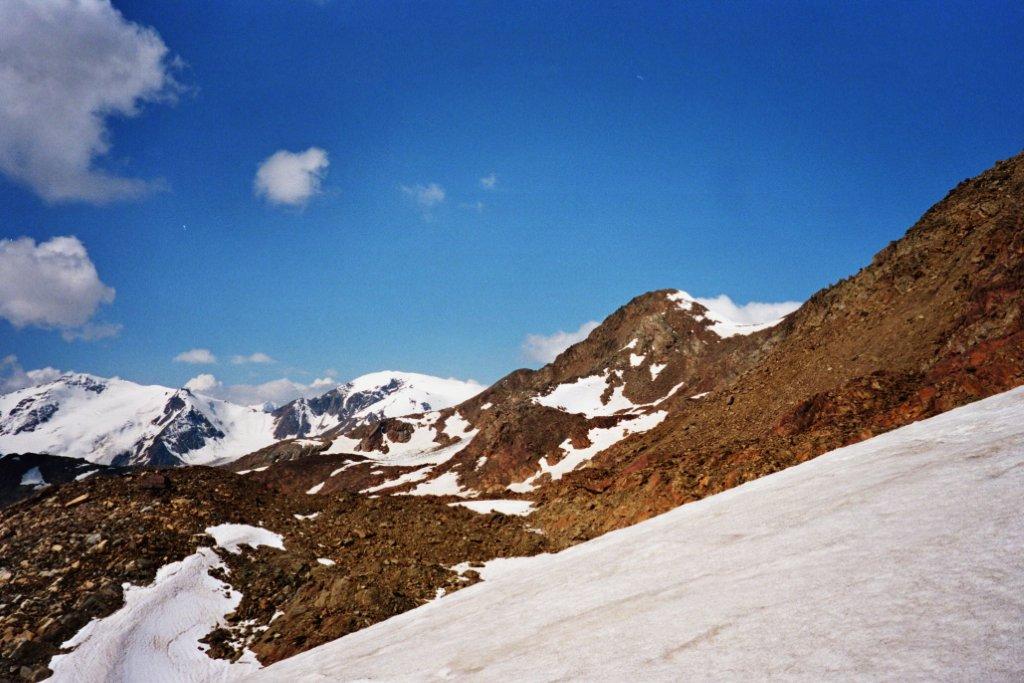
(117, 422)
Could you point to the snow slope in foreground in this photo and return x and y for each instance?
(901, 557)
(155, 636)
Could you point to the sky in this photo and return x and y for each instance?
(295, 191)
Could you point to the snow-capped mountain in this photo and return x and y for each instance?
(370, 398)
(114, 421)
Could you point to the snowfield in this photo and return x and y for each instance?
(155, 636)
(899, 558)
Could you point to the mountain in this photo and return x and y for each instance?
(117, 422)
(667, 403)
(733, 587)
(368, 399)
(664, 403)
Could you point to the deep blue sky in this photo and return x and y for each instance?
(762, 150)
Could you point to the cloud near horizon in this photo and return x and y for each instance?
(196, 357)
(291, 177)
(53, 285)
(751, 313)
(545, 348)
(68, 67)
(276, 391)
(13, 376)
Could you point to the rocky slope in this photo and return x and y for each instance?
(116, 422)
(348, 561)
(665, 403)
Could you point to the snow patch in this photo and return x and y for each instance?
(584, 396)
(600, 439)
(155, 636)
(506, 507)
(232, 536)
(446, 484)
(33, 477)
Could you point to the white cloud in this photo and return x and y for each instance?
(426, 196)
(489, 182)
(69, 65)
(252, 358)
(203, 383)
(291, 177)
(753, 313)
(277, 391)
(52, 285)
(13, 376)
(196, 357)
(545, 348)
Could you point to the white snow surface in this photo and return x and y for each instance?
(33, 477)
(898, 558)
(100, 425)
(232, 536)
(584, 396)
(155, 636)
(656, 369)
(446, 484)
(436, 392)
(504, 506)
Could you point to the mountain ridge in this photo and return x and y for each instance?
(118, 422)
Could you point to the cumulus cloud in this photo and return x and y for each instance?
(489, 182)
(252, 358)
(196, 357)
(277, 391)
(68, 66)
(544, 349)
(203, 383)
(291, 177)
(13, 376)
(753, 313)
(52, 285)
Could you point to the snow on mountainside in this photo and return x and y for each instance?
(535, 426)
(370, 398)
(900, 557)
(114, 421)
